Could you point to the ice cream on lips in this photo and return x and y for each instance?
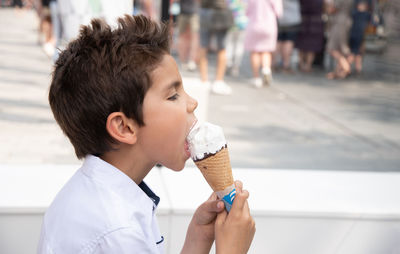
(209, 151)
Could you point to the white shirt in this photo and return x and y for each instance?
(101, 210)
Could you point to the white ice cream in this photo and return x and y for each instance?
(205, 138)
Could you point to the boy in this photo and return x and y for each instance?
(118, 96)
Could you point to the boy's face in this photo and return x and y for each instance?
(168, 116)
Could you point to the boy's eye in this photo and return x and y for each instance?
(173, 97)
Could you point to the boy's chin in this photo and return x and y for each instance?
(177, 167)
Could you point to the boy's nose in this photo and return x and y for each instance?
(191, 104)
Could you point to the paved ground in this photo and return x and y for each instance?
(301, 121)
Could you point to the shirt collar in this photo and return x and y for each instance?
(107, 175)
(149, 193)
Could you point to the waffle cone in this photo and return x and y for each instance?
(217, 170)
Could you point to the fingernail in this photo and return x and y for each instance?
(219, 205)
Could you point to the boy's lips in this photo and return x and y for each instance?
(187, 148)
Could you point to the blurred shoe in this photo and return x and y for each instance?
(49, 49)
(267, 76)
(221, 88)
(191, 66)
(257, 82)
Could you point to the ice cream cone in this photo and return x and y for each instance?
(209, 151)
(217, 170)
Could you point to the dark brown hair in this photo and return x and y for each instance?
(105, 71)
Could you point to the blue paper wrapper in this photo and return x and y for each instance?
(228, 199)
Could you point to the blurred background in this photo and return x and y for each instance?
(310, 109)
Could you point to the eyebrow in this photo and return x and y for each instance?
(174, 84)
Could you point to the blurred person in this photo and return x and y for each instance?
(310, 40)
(56, 25)
(391, 20)
(235, 37)
(261, 37)
(17, 4)
(74, 13)
(215, 21)
(29, 4)
(338, 33)
(46, 36)
(288, 27)
(5, 3)
(188, 29)
(361, 16)
(145, 7)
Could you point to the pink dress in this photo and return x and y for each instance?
(262, 29)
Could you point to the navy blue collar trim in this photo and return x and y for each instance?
(149, 193)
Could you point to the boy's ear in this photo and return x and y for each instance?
(122, 128)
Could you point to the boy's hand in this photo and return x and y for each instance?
(234, 232)
(201, 231)
(204, 217)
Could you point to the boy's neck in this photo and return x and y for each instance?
(127, 160)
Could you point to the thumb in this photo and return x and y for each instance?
(207, 211)
(213, 204)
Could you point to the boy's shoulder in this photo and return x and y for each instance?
(96, 201)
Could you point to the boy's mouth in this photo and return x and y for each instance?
(187, 150)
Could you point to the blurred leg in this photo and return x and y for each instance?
(342, 66)
(203, 64)
(183, 45)
(194, 39)
(221, 64)
(47, 31)
(302, 60)
(255, 59)
(266, 60)
(287, 54)
(358, 63)
(309, 61)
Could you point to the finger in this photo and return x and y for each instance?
(238, 186)
(207, 211)
(214, 206)
(213, 196)
(246, 207)
(240, 200)
(221, 217)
